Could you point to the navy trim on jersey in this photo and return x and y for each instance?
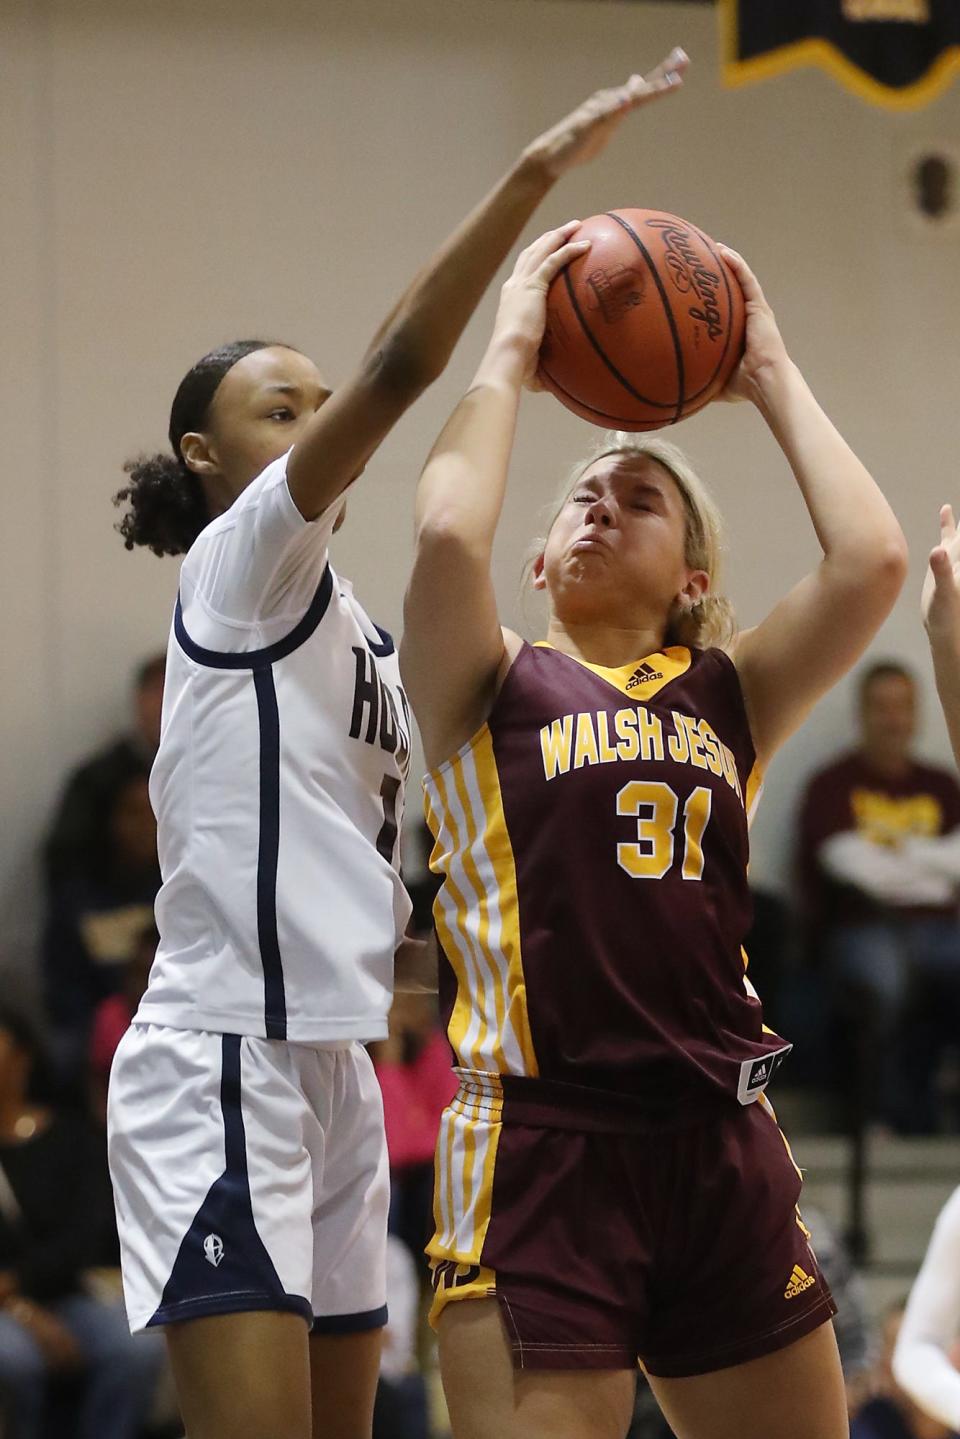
(222, 1266)
(256, 659)
(386, 645)
(350, 1323)
(268, 855)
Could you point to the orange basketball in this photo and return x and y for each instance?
(646, 327)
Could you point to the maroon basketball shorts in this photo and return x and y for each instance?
(604, 1245)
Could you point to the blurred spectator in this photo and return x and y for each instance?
(77, 836)
(417, 1081)
(113, 1017)
(422, 890)
(53, 1221)
(401, 1409)
(880, 870)
(851, 1323)
(890, 1414)
(95, 921)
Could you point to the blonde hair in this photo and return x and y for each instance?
(710, 621)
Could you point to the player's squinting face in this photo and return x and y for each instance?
(262, 407)
(616, 549)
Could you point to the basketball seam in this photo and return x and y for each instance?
(671, 318)
(595, 343)
(618, 420)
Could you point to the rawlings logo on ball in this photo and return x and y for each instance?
(688, 272)
(615, 291)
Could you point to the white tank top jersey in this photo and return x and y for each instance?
(278, 788)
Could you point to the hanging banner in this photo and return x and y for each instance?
(896, 53)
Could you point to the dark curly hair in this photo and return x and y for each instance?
(166, 505)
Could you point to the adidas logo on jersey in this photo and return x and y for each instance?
(798, 1282)
(642, 675)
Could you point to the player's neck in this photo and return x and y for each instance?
(891, 764)
(606, 645)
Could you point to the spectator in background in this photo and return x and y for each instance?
(416, 1080)
(880, 870)
(77, 836)
(401, 1410)
(102, 875)
(891, 1414)
(53, 1215)
(95, 921)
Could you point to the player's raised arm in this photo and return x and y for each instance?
(453, 646)
(413, 345)
(813, 636)
(940, 607)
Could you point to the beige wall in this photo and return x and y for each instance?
(175, 174)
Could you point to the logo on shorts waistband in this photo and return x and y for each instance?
(799, 1281)
(213, 1249)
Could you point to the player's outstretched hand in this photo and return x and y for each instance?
(582, 135)
(522, 314)
(940, 600)
(765, 349)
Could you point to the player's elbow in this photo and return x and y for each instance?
(446, 538)
(890, 563)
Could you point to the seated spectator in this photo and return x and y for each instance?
(52, 1223)
(880, 867)
(76, 836)
(417, 1081)
(401, 1410)
(891, 1414)
(95, 922)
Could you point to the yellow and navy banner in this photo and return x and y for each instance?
(896, 53)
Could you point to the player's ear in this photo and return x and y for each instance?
(537, 577)
(696, 588)
(197, 454)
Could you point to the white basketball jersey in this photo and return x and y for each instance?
(278, 788)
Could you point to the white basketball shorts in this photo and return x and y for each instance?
(248, 1174)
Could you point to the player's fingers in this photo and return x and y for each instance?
(530, 259)
(749, 283)
(555, 262)
(941, 568)
(948, 527)
(667, 75)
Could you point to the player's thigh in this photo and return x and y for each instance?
(344, 1369)
(795, 1393)
(242, 1376)
(487, 1396)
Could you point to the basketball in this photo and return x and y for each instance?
(646, 327)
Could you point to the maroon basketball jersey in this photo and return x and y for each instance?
(592, 840)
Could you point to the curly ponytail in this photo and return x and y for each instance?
(167, 508)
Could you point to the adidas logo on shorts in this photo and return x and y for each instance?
(642, 675)
(797, 1283)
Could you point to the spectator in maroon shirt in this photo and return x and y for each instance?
(880, 870)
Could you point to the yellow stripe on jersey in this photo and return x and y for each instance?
(476, 912)
(752, 792)
(462, 1016)
(466, 1158)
